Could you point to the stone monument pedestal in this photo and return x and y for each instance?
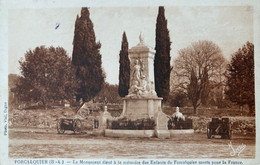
(140, 108)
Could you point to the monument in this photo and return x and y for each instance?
(142, 101)
(141, 105)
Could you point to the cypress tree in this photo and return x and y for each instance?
(162, 68)
(194, 91)
(205, 87)
(124, 68)
(86, 58)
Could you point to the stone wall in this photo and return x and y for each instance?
(42, 118)
(242, 125)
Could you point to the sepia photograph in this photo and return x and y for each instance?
(161, 83)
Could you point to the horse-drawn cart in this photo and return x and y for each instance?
(72, 124)
(220, 127)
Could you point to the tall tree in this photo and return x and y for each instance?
(46, 75)
(124, 68)
(240, 77)
(194, 90)
(205, 87)
(162, 67)
(205, 59)
(86, 58)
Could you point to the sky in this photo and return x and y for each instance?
(229, 27)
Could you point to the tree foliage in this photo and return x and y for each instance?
(240, 77)
(162, 67)
(109, 94)
(86, 58)
(12, 98)
(46, 75)
(198, 68)
(124, 68)
(177, 99)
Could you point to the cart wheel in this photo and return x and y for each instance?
(60, 128)
(77, 125)
(209, 133)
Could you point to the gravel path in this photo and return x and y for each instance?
(41, 143)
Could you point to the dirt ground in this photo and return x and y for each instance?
(46, 143)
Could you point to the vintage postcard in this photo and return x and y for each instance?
(129, 82)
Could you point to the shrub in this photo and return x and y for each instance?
(127, 124)
(173, 123)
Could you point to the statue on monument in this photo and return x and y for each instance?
(136, 71)
(152, 90)
(141, 38)
(138, 82)
(139, 85)
(135, 90)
